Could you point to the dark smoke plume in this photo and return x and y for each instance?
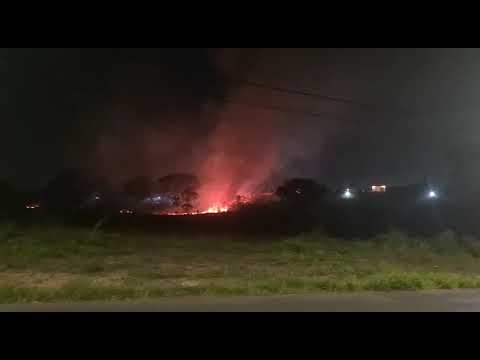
(235, 149)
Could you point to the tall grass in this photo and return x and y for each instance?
(153, 265)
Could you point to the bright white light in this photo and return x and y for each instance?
(432, 194)
(347, 194)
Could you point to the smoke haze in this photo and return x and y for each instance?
(233, 147)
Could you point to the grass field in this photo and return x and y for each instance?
(47, 264)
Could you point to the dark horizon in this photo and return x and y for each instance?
(240, 116)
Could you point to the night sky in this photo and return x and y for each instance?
(401, 114)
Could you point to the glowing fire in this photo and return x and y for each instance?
(216, 209)
(226, 207)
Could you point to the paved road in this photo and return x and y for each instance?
(457, 301)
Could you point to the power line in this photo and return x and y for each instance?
(302, 92)
(316, 95)
(279, 109)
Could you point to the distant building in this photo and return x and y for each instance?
(379, 188)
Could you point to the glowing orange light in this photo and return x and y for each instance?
(216, 209)
(211, 210)
(225, 207)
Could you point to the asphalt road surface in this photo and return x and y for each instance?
(446, 301)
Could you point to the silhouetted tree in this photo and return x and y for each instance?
(139, 187)
(181, 187)
(67, 192)
(299, 189)
(302, 202)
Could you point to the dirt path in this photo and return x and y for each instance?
(458, 301)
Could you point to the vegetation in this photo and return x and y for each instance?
(64, 264)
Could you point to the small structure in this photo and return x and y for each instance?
(379, 188)
(32, 206)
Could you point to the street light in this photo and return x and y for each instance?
(347, 194)
(432, 194)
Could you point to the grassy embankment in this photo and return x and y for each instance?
(48, 264)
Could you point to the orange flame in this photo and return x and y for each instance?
(220, 208)
(216, 210)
